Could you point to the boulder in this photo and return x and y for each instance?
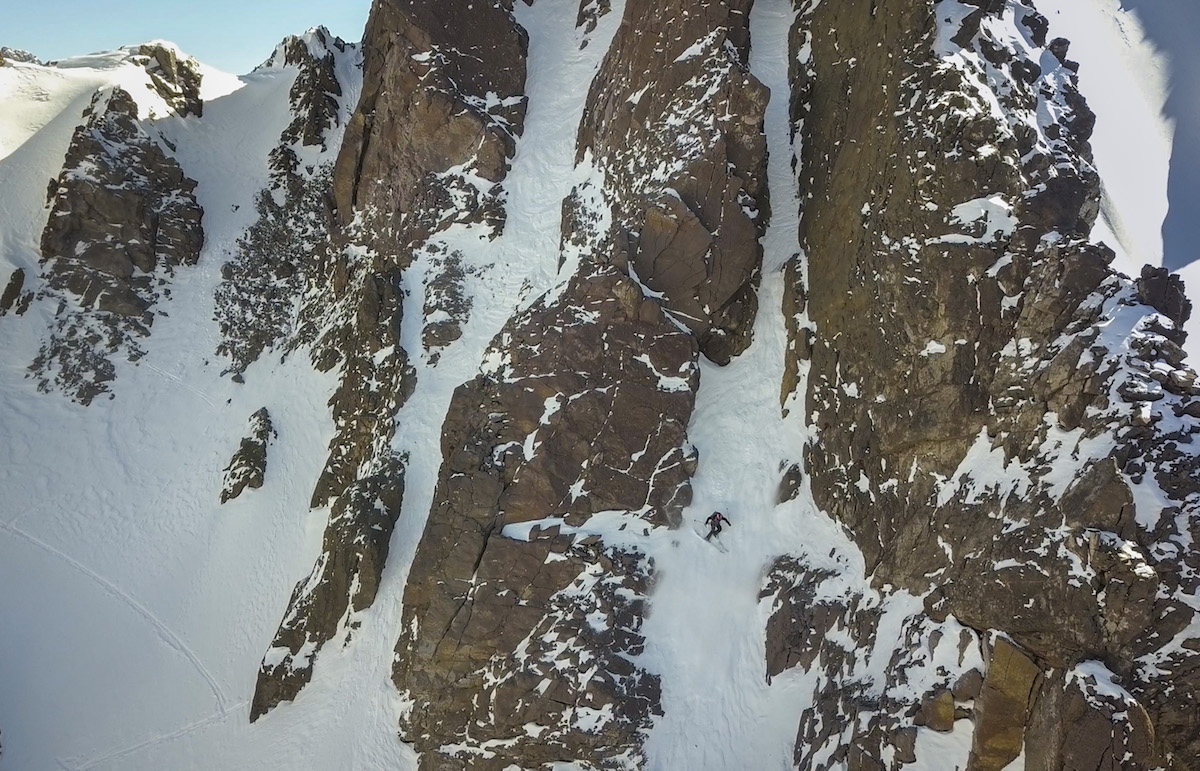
(248, 466)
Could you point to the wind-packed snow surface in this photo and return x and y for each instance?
(136, 609)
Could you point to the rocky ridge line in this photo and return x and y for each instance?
(421, 138)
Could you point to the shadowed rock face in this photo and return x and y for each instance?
(674, 120)
(524, 601)
(123, 218)
(990, 398)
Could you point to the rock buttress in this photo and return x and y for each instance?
(427, 128)
(123, 218)
(674, 122)
(443, 89)
(1003, 421)
(343, 582)
(523, 607)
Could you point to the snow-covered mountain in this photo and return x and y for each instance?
(366, 410)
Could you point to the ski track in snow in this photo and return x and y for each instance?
(164, 631)
(705, 628)
(164, 601)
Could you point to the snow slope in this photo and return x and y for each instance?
(136, 609)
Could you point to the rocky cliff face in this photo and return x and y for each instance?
(123, 218)
(533, 311)
(996, 409)
(522, 613)
(674, 126)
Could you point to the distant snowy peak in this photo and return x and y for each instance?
(314, 44)
(8, 54)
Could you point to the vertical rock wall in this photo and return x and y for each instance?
(1002, 421)
(674, 124)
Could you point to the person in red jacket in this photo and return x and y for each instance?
(714, 522)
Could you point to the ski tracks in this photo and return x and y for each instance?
(164, 631)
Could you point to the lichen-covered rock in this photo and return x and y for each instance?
(123, 218)
(343, 582)
(523, 605)
(248, 466)
(674, 122)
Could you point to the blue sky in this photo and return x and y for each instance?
(232, 35)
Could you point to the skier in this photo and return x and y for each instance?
(714, 523)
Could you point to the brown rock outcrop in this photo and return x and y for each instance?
(443, 86)
(280, 256)
(967, 377)
(440, 106)
(674, 121)
(1002, 708)
(175, 78)
(248, 466)
(524, 602)
(12, 291)
(123, 218)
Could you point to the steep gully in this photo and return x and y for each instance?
(705, 620)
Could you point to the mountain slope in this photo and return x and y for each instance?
(366, 410)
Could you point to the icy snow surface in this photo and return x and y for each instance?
(135, 608)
